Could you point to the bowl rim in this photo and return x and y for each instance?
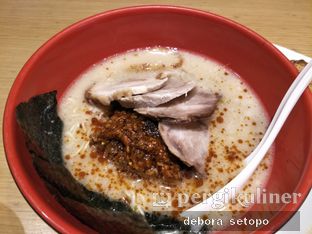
(50, 216)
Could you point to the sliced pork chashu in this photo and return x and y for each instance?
(173, 88)
(105, 92)
(188, 141)
(196, 104)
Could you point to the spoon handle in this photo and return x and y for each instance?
(253, 160)
(287, 104)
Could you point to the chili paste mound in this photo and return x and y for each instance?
(133, 143)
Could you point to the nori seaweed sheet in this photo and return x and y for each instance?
(43, 129)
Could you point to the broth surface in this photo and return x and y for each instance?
(235, 128)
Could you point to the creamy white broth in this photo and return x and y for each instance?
(235, 128)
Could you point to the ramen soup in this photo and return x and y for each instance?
(234, 129)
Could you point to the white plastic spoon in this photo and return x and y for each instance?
(253, 160)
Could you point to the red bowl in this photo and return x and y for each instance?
(60, 60)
